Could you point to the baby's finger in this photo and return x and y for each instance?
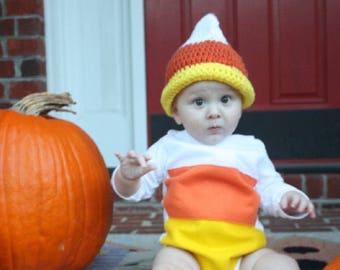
(136, 158)
(131, 154)
(311, 210)
(141, 161)
(133, 157)
(284, 202)
(119, 156)
(294, 201)
(147, 157)
(302, 206)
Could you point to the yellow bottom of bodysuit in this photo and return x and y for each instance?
(216, 245)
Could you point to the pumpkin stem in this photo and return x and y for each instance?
(42, 103)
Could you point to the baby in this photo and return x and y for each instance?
(214, 181)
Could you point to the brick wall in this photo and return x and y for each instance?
(22, 49)
(323, 189)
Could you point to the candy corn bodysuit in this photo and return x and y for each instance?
(212, 195)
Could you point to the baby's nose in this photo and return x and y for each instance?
(213, 112)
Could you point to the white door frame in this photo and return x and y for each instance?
(61, 21)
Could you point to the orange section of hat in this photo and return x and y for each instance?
(204, 52)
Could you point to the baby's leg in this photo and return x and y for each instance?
(170, 258)
(267, 259)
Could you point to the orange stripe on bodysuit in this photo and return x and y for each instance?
(211, 192)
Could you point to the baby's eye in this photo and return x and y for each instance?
(199, 101)
(225, 99)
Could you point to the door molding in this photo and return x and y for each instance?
(79, 44)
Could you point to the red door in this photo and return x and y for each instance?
(292, 52)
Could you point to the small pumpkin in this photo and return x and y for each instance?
(56, 199)
(333, 264)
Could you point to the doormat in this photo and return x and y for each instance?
(310, 253)
(109, 256)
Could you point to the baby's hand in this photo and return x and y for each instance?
(293, 203)
(133, 165)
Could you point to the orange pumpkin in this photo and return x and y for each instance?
(56, 198)
(334, 264)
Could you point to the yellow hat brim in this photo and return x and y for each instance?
(207, 72)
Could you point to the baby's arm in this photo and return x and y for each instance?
(132, 167)
(293, 203)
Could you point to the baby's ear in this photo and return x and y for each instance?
(178, 121)
(175, 115)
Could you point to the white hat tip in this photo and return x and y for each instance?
(211, 17)
(207, 28)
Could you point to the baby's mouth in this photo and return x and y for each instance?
(215, 127)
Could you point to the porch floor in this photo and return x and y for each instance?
(133, 239)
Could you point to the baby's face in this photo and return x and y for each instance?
(208, 110)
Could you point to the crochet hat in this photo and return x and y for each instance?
(205, 56)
